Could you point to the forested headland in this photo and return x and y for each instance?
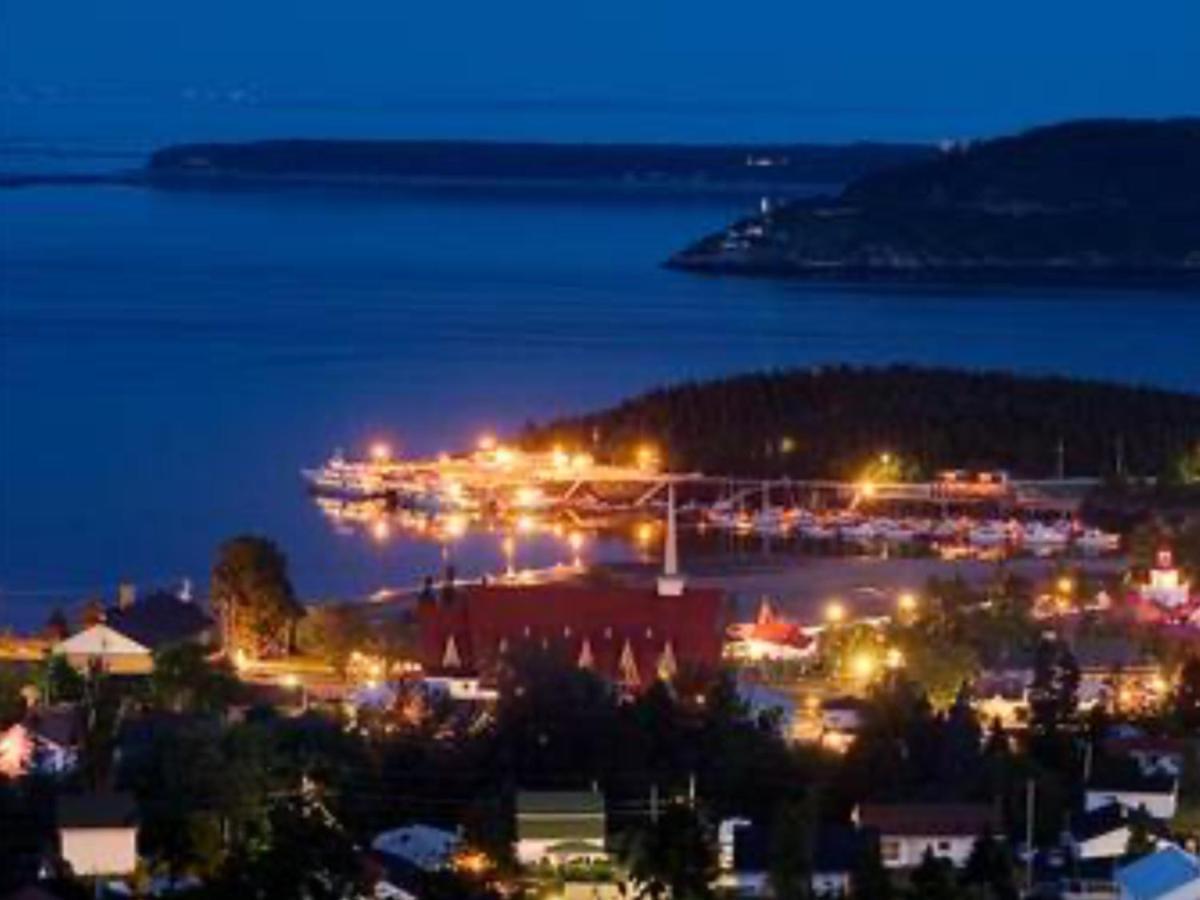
(831, 422)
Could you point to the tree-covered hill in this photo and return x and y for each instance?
(1082, 200)
(831, 422)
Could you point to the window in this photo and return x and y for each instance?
(889, 850)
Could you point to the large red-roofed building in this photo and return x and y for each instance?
(629, 636)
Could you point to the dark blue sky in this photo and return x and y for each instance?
(1011, 63)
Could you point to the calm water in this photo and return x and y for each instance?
(170, 360)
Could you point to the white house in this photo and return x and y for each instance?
(1157, 794)
(108, 648)
(98, 833)
(907, 830)
(558, 827)
(1167, 874)
(1103, 833)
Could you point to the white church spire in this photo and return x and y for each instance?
(670, 583)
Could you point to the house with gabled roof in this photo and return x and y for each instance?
(630, 636)
(947, 830)
(559, 827)
(1167, 874)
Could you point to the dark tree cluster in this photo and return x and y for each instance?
(833, 422)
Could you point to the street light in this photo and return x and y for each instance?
(863, 666)
(835, 613)
(907, 603)
(380, 452)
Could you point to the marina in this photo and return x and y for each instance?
(569, 495)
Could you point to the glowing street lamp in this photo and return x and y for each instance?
(647, 457)
(863, 666)
(906, 603)
(487, 442)
(835, 613)
(575, 540)
(509, 546)
(380, 452)
(894, 658)
(1065, 585)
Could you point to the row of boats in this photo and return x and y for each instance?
(853, 527)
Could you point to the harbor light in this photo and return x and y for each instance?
(835, 613)
(867, 489)
(381, 530)
(526, 524)
(560, 458)
(1065, 585)
(381, 452)
(455, 526)
(644, 533)
(907, 603)
(487, 442)
(527, 496)
(290, 681)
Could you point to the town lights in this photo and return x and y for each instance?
(894, 658)
(527, 496)
(380, 452)
(644, 533)
(835, 613)
(526, 524)
(560, 458)
(290, 681)
(867, 490)
(647, 457)
(455, 526)
(1065, 585)
(907, 603)
(487, 442)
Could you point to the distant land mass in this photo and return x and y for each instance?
(832, 422)
(1085, 200)
(773, 167)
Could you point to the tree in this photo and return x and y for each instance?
(332, 633)
(933, 879)
(184, 680)
(12, 702)
(989, 870)
(57, 628)
(870, 878)
(1141, 842)
(60, 682)
(1054, 692)
(1186, 701)
(254, 596)
(674, 856)
(309, 855)
(791, 850)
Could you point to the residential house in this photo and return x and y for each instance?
(1123, 781)
(1153, 754)
(742, 858)
(1103, 832)
(907, 830)
(103, 647)
(98, 833)
(125, 642)
(558, 827)
(1167, 874)
(162, 619)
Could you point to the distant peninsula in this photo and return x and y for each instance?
(1086, 200)
(745, 167)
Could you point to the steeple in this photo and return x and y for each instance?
(670, 582)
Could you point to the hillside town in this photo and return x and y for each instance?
(606, 733)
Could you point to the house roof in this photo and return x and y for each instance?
(159, 619)
(101, 640)
(1158, 874)
(929, 819)
(560, 815)
(622, 633)
(423, 846)
(97, 810)
(560, 803)
(1124, 775)
(1109, 818)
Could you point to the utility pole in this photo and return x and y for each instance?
(1030, 807)
(654, 804)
